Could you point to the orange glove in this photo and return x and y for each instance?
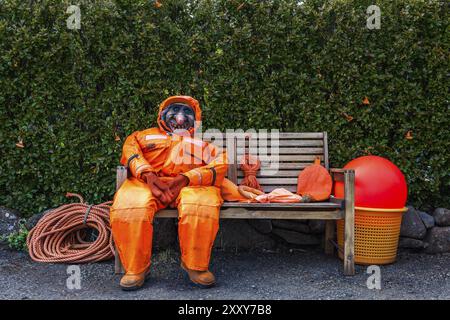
(159, 188)
(175, 186)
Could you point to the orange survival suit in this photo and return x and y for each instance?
(167, 154)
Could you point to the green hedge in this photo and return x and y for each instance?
(252, 64)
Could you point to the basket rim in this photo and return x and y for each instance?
(404, 209)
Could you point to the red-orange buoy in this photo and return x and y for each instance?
(378, 183)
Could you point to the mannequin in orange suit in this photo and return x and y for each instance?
(169, 168)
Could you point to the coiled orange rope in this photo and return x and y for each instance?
(250, 166)
(60, 235)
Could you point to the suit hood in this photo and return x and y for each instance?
(193, 103)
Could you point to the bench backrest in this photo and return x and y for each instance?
(296, 151)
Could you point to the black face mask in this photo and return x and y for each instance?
(178, 116)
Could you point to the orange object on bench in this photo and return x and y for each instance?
(250, 166)
(314, 182)
(279, 195)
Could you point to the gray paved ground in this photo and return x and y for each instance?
(244, 275)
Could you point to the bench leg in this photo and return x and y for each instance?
(329, 236)
(349, 227)
(118, 267)
(121, 176)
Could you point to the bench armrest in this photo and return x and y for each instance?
(121, 176)
(339, 174)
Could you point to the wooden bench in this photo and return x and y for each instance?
(296, 151)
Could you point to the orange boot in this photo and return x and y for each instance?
(131, 282)
(204, 279)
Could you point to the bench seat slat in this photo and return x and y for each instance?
(242, 213)
(282, 214)
(242, 210)
(288, 206)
